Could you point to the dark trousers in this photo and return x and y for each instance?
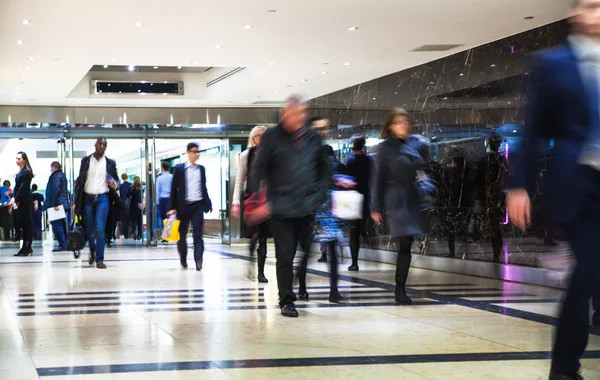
(403, 262)
(135, 219)
(573, 326)
(288, 233)
(24, 221)
(333, 267)
(4, 215)
(37, 224)
(125, 223)
(59, 227)
(194, 214)
(261, 253)
(358, 229)
(110, 224)
(164, 205)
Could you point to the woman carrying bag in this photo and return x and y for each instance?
(257, 233)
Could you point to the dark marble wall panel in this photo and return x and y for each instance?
(458, 102)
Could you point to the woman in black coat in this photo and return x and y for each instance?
(135, 208)
(22, 202)
(396, 192)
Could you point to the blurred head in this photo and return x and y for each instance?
(166, 167)
(6, 183)
(293, 115)
(585, 17)
(494, 143)
(55, 166)
(358, 143)
(137, 182)
(398, 125)
(193, 151)
(100, 146)
(124, 177)
(34, 187)
(319, 124)
(329, 150)
(255, 135)
(23, 162)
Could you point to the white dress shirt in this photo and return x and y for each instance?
(95, 182)
(193, 183)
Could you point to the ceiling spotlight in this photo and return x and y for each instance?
(323, 72)
(194, 62)
(19, 42)
(139, 24)
(304, 80)
(23, 77)
(347, 64)
(155, 67)
(245, 101)
(275, 91)
(106, 66)
(165, 82)
(248, 27)
(395, 92)
(131, 67)
(25, 22)
(164, 93)
(353, 28)
(139, 90)
(218, 46)
(31, 59)
(271, 63)
(461, 74)
(14, 100)
(178, 67)
(26, 68)
(374, 98)
(445, 98)
(78, 100)
(113, 60)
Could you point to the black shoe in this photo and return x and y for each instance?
(100, 265)
(596, 318)
(303, 296)
(20, 253)
(92, 257)
(183, 262)
(109, 244)
(289, 310)
(199, 265)
(323, 259)
(335, 297)
(28, 251)
(262, 279)
(401, 297)
(557, 376)
(353, 268)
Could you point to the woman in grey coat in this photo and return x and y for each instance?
(396, 192)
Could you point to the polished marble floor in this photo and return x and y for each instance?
(146, 318)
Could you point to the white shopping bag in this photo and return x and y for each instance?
(347, 205)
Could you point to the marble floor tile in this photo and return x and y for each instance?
(354, 372)
(16, 364)
(207, 374)
(550, 309)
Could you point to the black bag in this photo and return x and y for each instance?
(76, 239)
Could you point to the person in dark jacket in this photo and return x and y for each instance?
(97, 176)
(135, 208)
(124, 214)
(395, 191)
(22, 202)
(359, 166)
(294, 165)
(57, 195)
(38, 207)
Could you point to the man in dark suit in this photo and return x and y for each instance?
(97, 175)
(57, 195)
(190, 198)
(564, 106)
(124, 193)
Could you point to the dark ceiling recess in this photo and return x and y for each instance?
(441, 47)
(171, 88)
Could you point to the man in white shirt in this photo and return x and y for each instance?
(97, 175)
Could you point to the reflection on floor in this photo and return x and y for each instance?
(146, 318)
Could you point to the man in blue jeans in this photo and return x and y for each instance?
(97, 175)
(57, 195)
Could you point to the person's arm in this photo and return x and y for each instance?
(240, 179)
(174, 191)
(378, 185)
(204, 188)
(325, 175)
(258, 170)
(540, 115)
(25, 186)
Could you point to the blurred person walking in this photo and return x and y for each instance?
(22, 203)
(163, 193)
(395, 190)
(123, 223)
(564, 105)
(293, 163)
(57, 195)
(135, 208)
(38, 213)
(260, 233)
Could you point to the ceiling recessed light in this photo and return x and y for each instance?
(139, 24)
(165, 82)
(347, 64)
(139, 90)
(245, 101)
(445, 98)
(106, 66)
(164, 93)
(395, 92)
(14, 100)
(353, 28)
(492, 65)
(131, 67)
(113, 60)
(323, 72)
(248, 27)
(155, 67)
(19, 42)
(325, 63)
(31, 59)
(218, 46)
(26, 68)
(178, 67)
(509, 102)
(271, 63)
(78, 100)
(275, 91)
(25, 22)
(194, 62)
(461, 74)
(304, 80)
(374, 98)
(23, 77)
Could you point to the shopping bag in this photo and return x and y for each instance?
(171, 229)
(347, 205)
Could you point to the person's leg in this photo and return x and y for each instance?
(60, 233)
(452, 245)
(402, 268)
(497, 242)
(286, 241)
(355, 233)
(100, 215)
(125, 222)
(261, 255)
(140, 226)
(27, 228)
(198, 230)
(334, 294)
(184, 227)
(304, 228)
(89, 221)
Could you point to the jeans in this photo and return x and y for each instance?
(60, 232)
(194, 215)
(95, 213)
(288, 233)
(164, 205)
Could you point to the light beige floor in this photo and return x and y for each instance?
(232, 327)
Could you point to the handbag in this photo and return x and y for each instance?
(347, 205)
(255, 207)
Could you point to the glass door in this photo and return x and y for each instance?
(224, 209)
